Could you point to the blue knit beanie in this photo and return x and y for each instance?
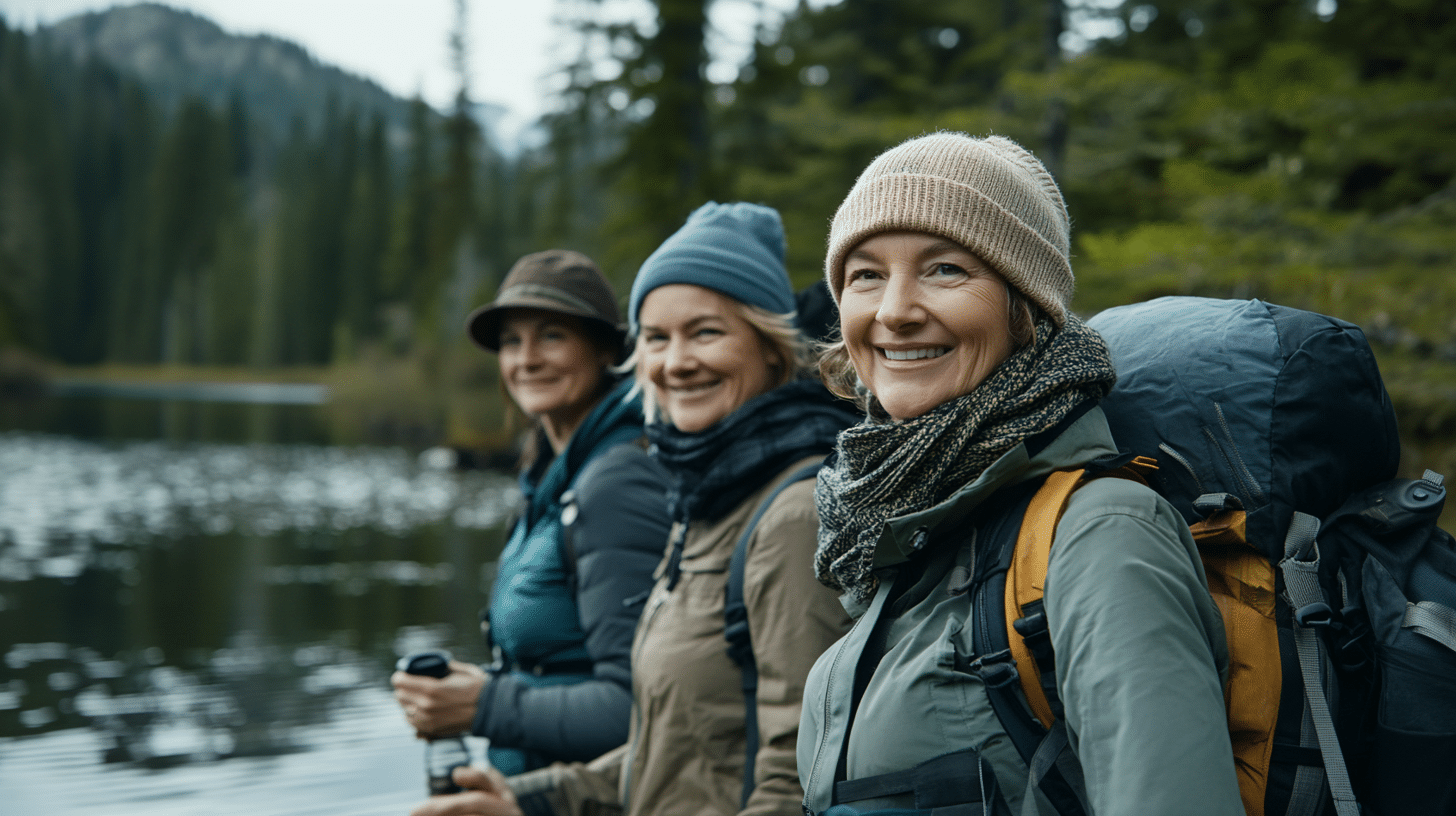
(734, 249)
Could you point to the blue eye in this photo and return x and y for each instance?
(948, 269)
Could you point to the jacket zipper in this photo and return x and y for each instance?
(828, 700)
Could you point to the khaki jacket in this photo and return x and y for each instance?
(685, 753)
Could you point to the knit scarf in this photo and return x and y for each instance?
(885, 469)
(714, 470)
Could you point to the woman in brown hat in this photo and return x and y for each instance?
(561, 614)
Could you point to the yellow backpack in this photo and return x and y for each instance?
(1241, 580)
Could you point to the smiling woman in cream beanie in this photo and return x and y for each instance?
(949, 260)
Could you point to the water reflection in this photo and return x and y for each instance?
(58, 489)
(360, 763)
(190, 606)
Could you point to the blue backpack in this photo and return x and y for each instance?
(1276, 439)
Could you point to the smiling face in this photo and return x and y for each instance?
(924, 320)
(700, 357)
(551, 368)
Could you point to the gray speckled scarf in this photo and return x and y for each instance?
(886, 469)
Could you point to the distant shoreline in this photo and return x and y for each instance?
(261, 393)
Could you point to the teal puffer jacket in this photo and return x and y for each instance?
(563, 631)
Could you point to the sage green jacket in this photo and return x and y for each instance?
(1139, 644)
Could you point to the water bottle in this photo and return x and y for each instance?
(442, 754)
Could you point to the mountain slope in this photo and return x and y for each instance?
(178, 54)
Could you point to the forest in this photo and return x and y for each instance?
(1295, 151)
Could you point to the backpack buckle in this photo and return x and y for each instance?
(1037, 636)
(1316, 614)
(996, 669)
(1032, 625)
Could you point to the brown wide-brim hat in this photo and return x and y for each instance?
(556, 280)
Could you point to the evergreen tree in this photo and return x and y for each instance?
(191, 193)
(37, 221)
(445, 294)
(410, 254)
(835, 86)
(668, 152)
(366, 232)
(651, 121)
(318, 176)
(561, 188)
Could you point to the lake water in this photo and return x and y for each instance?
(200, 606)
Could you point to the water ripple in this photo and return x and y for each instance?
(60, 490)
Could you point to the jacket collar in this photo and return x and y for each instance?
(617, 417)
(1087, 438)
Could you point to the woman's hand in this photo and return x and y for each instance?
(440, 707)
(486, 794)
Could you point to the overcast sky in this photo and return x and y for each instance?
(403, 44)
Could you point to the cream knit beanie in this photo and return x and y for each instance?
(989, 195)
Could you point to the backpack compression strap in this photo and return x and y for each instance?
(735, 624)
(1301, 579)
(1026, 625)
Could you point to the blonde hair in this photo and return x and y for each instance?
(840, 377)
(783, 338)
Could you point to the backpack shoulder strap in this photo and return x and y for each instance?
(735, 622)
(735, 611)
(1026, 626)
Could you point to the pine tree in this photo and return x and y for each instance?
(37, 223)
(409, 255)
(366, 232)
(192, 192)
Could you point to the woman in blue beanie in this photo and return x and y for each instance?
(719, 362)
